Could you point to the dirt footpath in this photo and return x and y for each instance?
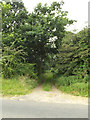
(53, 96)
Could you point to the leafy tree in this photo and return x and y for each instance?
(13, 15)
(73, 54)
(44, 31)
(0, 37)
(13, 60)
(66, 53)
(39, 33)
(82, 54)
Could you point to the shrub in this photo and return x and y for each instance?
(27, 69)
(66, 81)
(78, 89)
(47, 85)
(46, 77)
(31, 82)
(86, 78)
(13, 63)
(11, 59)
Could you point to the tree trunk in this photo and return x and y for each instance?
(40, 67)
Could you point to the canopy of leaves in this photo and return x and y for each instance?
(43, 40)
(73, 54)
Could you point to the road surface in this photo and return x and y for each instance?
(32, 109)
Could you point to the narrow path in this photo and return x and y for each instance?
(53, 96)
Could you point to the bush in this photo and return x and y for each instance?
(66, 81)
(46, 77)
(47, 86)
(78, 89)
(31, 82)
(86, 78)
(9, 71)
(11, 58)
(26, 69)
(13, 63)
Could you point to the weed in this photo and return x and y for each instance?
(47, 86)
(78, 89)
(17, 86)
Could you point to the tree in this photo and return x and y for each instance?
(14, 14)
(44, 31)
(82, 54)
(73, 54)
(66, 54)
(39, 33)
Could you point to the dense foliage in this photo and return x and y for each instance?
(38, 34)
(37, 44)
(73, 55)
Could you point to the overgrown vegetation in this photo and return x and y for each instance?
(73, 85)
(78, 89)
(18, 86)
(46, 79)
(47, 86)
(36, 45)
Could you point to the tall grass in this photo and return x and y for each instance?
(78, 89)
(65, 81)
(46, 78)
(72, 85)
(17, 86)
(47, 86)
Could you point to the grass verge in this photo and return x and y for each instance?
(17, 86)
(77, 89)
(72, 85)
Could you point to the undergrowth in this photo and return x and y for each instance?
(46, 78)
(72, 85)
(17, 86)
(77, 89)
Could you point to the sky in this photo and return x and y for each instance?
(77, 10)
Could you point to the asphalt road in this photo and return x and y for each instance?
(31, 109)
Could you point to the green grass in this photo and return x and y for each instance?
(0, 86)
(47, 86)
(65, 81)
(46, 77)
(47, 81)
(17, 86)
(72, 85)
(77, 89)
